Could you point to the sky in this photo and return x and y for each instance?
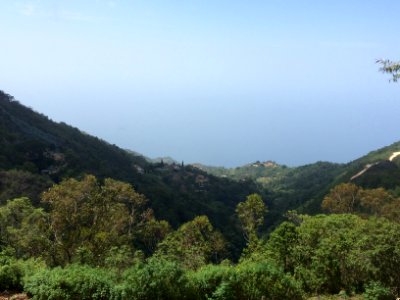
(212, 81)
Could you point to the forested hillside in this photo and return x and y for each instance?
(304, 187)
(36, 152)
(83, 219)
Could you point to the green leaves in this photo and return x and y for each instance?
(73, 282)
(251, 215)
(24, 228)
(248, 280)
(390, 67)
(193, 245)
(87, 218)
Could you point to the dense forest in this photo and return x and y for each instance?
(83, 219)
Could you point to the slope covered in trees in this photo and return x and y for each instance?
(98, 249)
(304, 187)
(36, 152)
(83, 219)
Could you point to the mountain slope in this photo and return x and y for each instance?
(304, 187)
(378, 168)
(45, 151)
(36, 152)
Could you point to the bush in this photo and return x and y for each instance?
(73, 282)
(12, 271)
(155, 279)
(376, 291)
(11, 277)
(206, 281)
(257, 280)
(248, 280)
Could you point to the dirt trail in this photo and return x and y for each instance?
(394, 155)
(363, 170)
(13, 296)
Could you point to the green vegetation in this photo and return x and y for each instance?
(141, 230)
(344, 254)
(390, 67)
(36, 152)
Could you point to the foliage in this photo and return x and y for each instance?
(209, 280)
(155, 279)
(24, 228)
(11, 277)
(343, 198)
(14, 271)
(345, 251)
(193, 245)
(280, 246)
(251, 214)
(287, 188)
(388, 66)
(248, 280)
(73, 282)
(153, 232)
(376, 291)
(17, 184)
(43, 151)
(87, 218)
(349, 198)
(119, 258)
(87, 221)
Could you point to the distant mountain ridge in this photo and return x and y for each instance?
(267, 171)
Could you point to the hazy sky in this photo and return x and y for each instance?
(212, 81)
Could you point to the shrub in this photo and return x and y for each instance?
(206, 281)
(257, 280)
(155, 279)
(72, 282)
(376, 291)
(11, 277)
(248, 280)
(11, 270)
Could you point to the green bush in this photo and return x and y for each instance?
(206, 281)
(376, 291)
(155, 279)
(12, 271)
(72, 282)
(257, 280)
(11, 277)
(248, 280)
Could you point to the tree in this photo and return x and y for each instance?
(251, 216)
(391, 210)
(88, 218)
(343, 198)
(193, 245)
(24, 228)
(153, 232)
(373, 200)
(17, 183)
(390, 67)
(349, 198)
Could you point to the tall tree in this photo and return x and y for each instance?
(251, 216)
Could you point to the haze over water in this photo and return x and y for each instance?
(216, 82)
